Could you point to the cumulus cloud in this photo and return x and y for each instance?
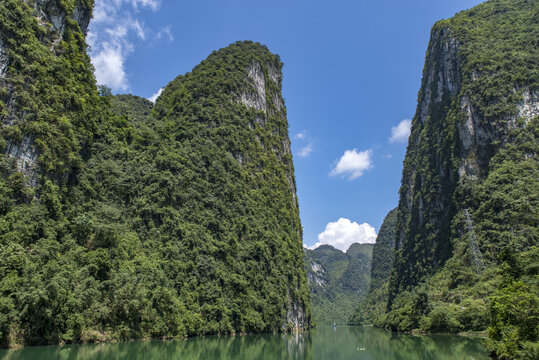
(109, 66)
(114, 31)
(156, 95)
(401, 132)
(344, 232)
(353, 164)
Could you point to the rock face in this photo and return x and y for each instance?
(255, 98)
(338, 280)
(468, 107)
(48, 22)
(53, 13)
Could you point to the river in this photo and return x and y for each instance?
(324, 342)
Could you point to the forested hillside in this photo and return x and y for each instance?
(122, 220)
(468, 215)
(373, 307)
(338, 280)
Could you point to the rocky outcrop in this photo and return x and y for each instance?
(256, 96)
(26, 154)
(3, 58)
(317, 273)
(265, 82)
(52, 13)
(476, 135)
(296, 319)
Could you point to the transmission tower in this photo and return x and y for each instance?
(477, 257)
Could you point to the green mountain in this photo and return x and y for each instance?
(468, 215)
(120, 219)
(338, 281)
(373, 307)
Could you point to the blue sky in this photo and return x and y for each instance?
(352, 70)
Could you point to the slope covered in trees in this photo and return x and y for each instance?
(374, 305)
(123, 220)
(468, 202)
(338, 280)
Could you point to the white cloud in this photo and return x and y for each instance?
(164, 33)
(301, 135)
(343, 233)
(103, 11)
(353, 164)
(306, 150)
(109, 67)
(156, 95)
(401, 132)
(114, 32)
(139, 29)
(152, 4)
(307, 144)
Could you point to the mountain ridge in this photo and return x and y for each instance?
(338, 280)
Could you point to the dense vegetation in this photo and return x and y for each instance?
(374, 305)
(338, 280)
(173, 220)
(469, 206)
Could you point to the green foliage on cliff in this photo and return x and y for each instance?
(514, 308)
(48, 93)
(145, 222)
(374, 305)
(480, 65)
(338, 281)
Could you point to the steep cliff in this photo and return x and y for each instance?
(338, 281)
(48, 98)
(121, 220)
(233, 191)
(470, 177)
(374, 305)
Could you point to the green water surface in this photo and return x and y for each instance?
(324, 342)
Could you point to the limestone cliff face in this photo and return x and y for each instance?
(255, 98)
(45, 24)
(263, 94)
(50, 13)
(467, 105)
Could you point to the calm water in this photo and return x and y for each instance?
(345, 342)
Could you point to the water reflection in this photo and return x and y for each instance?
(372, 343)
(324, 342)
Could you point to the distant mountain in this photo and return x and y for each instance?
(338, 280)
